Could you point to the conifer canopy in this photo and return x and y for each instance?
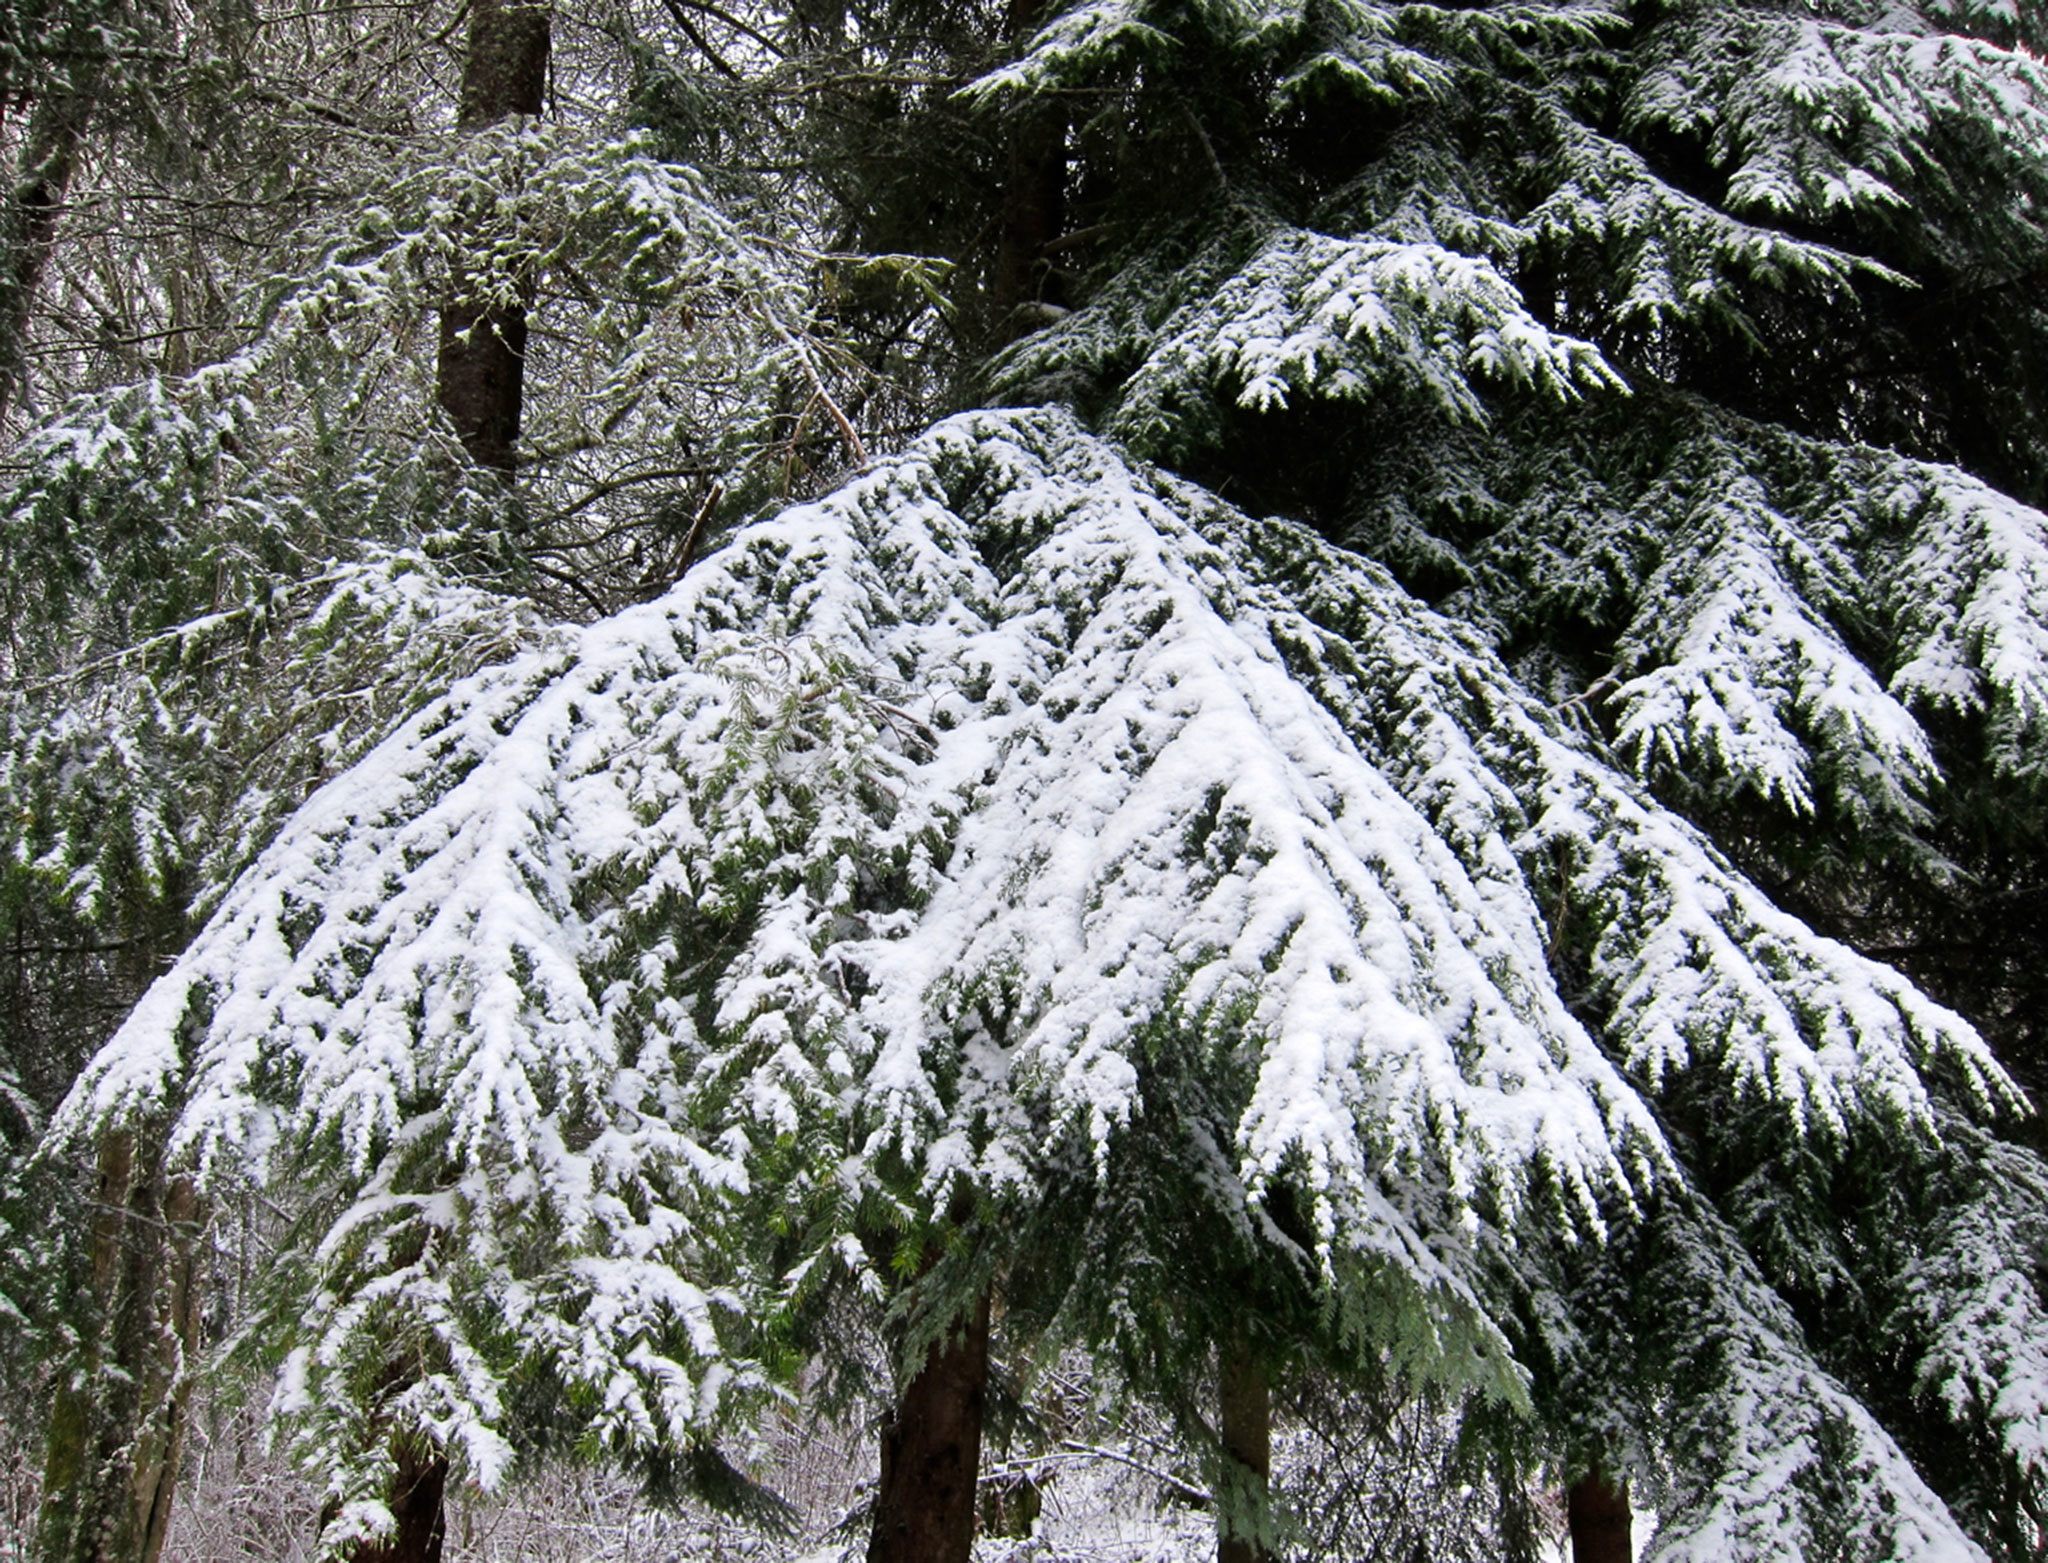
(1444, 772)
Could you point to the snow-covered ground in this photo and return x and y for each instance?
(1099, 1505)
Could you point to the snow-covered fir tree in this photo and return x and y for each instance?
(1506, 861)
(933, 850)
(223, 583)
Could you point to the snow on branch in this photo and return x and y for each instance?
(900, 828)
(1814, 117)
(1282, 313)
(1766, 1454)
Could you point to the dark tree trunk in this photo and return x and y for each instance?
(28, 227)
(1599, 1518)
(1245, 1421)
(931, 1453)
(418, 1485)
(1538, 280)
(506, 72)
(1033, 201)
(481, 381)
(819, 24)
(481, 375)
(117, 1427)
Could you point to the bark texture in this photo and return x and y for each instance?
(931, 1453)
(1245, 1421)
(506, 71)
(1598, 1514)
(1033, 200)
(481, 381)
(117, 1427)
(480, 377)
(418, 1485)
(28, 227)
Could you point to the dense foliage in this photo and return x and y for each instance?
(1443, 800)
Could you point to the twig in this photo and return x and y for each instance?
(689, 554)
(690, 30)
(1078, 1451)
(847, 433)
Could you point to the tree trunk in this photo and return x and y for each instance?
(481, 375)
(506, 72)
(28, 227)
(167, 1367)
(931, 1453)
(1245, 1421)
(1599, 1518)
(1033, 201)
(418, 1485)
(118, 1425)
